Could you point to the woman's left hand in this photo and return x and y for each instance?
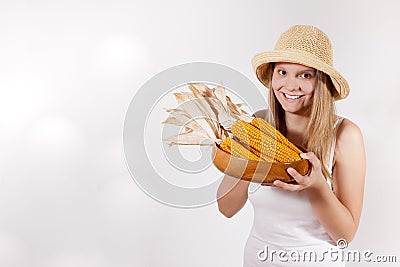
(313, 179)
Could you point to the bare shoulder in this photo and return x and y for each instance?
(348, 135)
(349, 150)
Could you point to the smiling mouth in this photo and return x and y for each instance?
(292, 96)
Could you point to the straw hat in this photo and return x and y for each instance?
(306, 45)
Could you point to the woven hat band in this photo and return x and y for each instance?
(307, 39)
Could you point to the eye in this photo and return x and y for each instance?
(281, 72)
(306, 75)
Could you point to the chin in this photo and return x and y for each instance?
(291, 110)
(295, 109)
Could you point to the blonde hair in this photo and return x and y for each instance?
(320, 128)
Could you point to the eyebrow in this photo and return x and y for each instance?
(308, 69)
(302, 70)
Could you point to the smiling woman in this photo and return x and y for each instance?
(324, 207)
(294, 86)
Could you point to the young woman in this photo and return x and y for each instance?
(302, 224)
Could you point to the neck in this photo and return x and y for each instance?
(296, 126)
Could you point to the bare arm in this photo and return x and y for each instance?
(340, 215)
(338, 212)
(232, 195)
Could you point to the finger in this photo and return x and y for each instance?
(287, 187)
(311, 157)
(307, 155)
(297, 176)
(267, 184)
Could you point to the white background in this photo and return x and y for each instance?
(68, 70)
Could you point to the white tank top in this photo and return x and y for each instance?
(285, 221)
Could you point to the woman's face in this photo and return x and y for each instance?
(294, 86)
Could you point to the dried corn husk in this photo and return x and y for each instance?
(206, 115)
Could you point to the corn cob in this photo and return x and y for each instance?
(267, 128)
(262, 156)
(265, 144)
(236, 149)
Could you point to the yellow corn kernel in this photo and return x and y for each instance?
(265, 144)
(236, 149)
(267, 128)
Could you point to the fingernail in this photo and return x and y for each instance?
(303, 155)
(290, 170)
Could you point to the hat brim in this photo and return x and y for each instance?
(261, 61)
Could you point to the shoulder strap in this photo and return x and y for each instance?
(332, 152)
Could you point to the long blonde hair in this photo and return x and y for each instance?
(320, 128)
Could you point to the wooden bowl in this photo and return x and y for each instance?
(256, 171)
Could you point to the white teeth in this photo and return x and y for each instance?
(292, 96)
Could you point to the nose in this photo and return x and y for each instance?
(291, 84)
